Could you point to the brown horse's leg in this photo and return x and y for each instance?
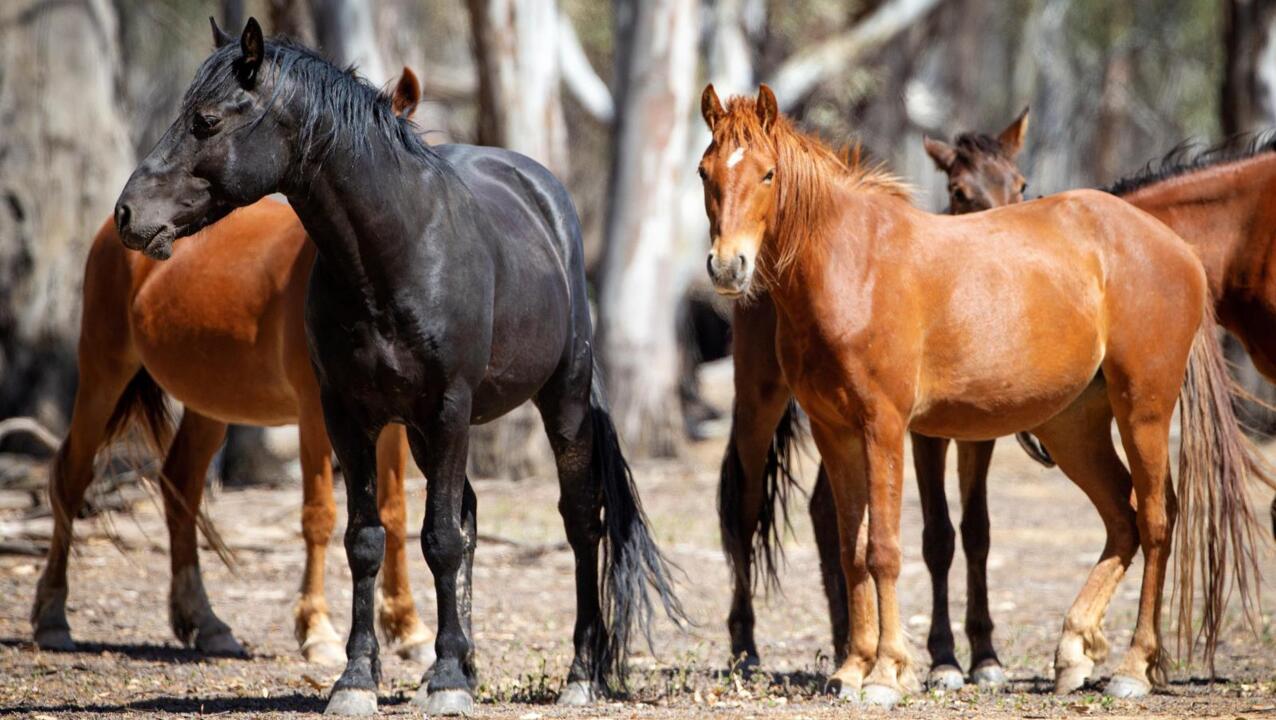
(1143, 417)
(182, 486)
(101, 384)
(844, 464)
(823, 511)
(759, 404)
(312, 626)
(397, 616)
(938, 545)
(1080, 440)
(973, 459)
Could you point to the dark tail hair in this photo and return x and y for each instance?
(1035, 449)
(1217, 529)
(779, 484)
(631, 559)
(142, 404)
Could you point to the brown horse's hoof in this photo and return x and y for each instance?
(945, 678)
(57, 639)
(418, 649)
(1072, 678)
(579, 694)
(882, 696)
(324, 653)
(444, 702)
(1126, 687)
(989, 676)
(351, 701)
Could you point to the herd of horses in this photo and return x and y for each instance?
(406, 292)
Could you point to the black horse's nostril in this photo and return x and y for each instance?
(122, 214)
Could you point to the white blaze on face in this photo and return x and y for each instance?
(736, 157)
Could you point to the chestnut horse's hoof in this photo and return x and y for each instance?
(989, 676)
(882, 696)
(1126, 687)
(351, 701)
(444, 702)
(419, 650)
(579, 694)
(945, 678)
(57, 639)
(324, 653)
(1072, 678)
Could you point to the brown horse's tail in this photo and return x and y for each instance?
(778, 485)
(1217, 530)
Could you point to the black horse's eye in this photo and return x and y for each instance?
(770, 175)
(205, 125)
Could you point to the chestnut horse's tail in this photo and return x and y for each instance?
(778, 485)
(631, 560)
(1217, 531)
(143, 404)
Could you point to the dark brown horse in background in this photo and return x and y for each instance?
(233, 296)
(755, 481)
(890, 319)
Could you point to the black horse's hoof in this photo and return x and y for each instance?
(580, 693)
(57, 639)
(444, 702)
(351, 701)
(945, 678)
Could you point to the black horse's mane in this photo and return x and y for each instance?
(1189, 157)
(337, 106)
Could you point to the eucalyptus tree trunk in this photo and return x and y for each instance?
(346, 32)
(656, 74)
(64, 155)
(516, 44)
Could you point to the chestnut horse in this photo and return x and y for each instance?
(756, 479)
(448, 288)
(1057, 316)
(233, 296)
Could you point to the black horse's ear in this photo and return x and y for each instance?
(220, 38)
(252, 48)
(768, 108)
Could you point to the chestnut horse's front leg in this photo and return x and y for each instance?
(397, 616)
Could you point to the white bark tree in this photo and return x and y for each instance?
(656, 74)
(347, 34)
(64, 155)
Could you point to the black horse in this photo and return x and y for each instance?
(449, 288)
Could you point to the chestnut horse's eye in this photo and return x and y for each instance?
(1023, 188)
(205, 125)
(959, 195)
(703, 175)
(770, 175)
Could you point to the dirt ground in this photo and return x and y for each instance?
(1045, 537)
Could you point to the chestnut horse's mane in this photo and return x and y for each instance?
(1188, 157)
(807, 172)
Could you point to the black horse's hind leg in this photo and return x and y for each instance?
(440, 445)
(580, 503)
(824, 523)
(355, 691)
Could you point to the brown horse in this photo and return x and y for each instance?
(233, 296)
(982, 174)
(1056, 316)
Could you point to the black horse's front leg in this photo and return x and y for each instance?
(355, 692)
(440, 446)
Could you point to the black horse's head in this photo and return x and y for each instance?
(226, 149)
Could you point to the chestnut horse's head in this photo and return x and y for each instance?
(981, 170)
(740, 188)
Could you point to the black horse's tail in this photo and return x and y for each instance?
(779, 485)
(631, 560)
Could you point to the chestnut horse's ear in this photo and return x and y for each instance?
(768, 109)
(220, 38)
(1012, 137)
(941, 152)
(711, 106)
(252, 48)
(407, 94)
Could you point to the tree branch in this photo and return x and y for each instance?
(802, 73)
(579, 76)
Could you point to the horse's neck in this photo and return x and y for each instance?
(1214, 210)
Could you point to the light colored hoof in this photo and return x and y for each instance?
(221, 644)
(325, 653)
(420, 652)
(444, 702)
(351, 701)
(945, 678)
(1126, 687)
(54, 638)
(848, 694)
(579, 694)
(882, 696)
(1071, 679)
(989, 677)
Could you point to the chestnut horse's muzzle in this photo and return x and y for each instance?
(730, 275)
